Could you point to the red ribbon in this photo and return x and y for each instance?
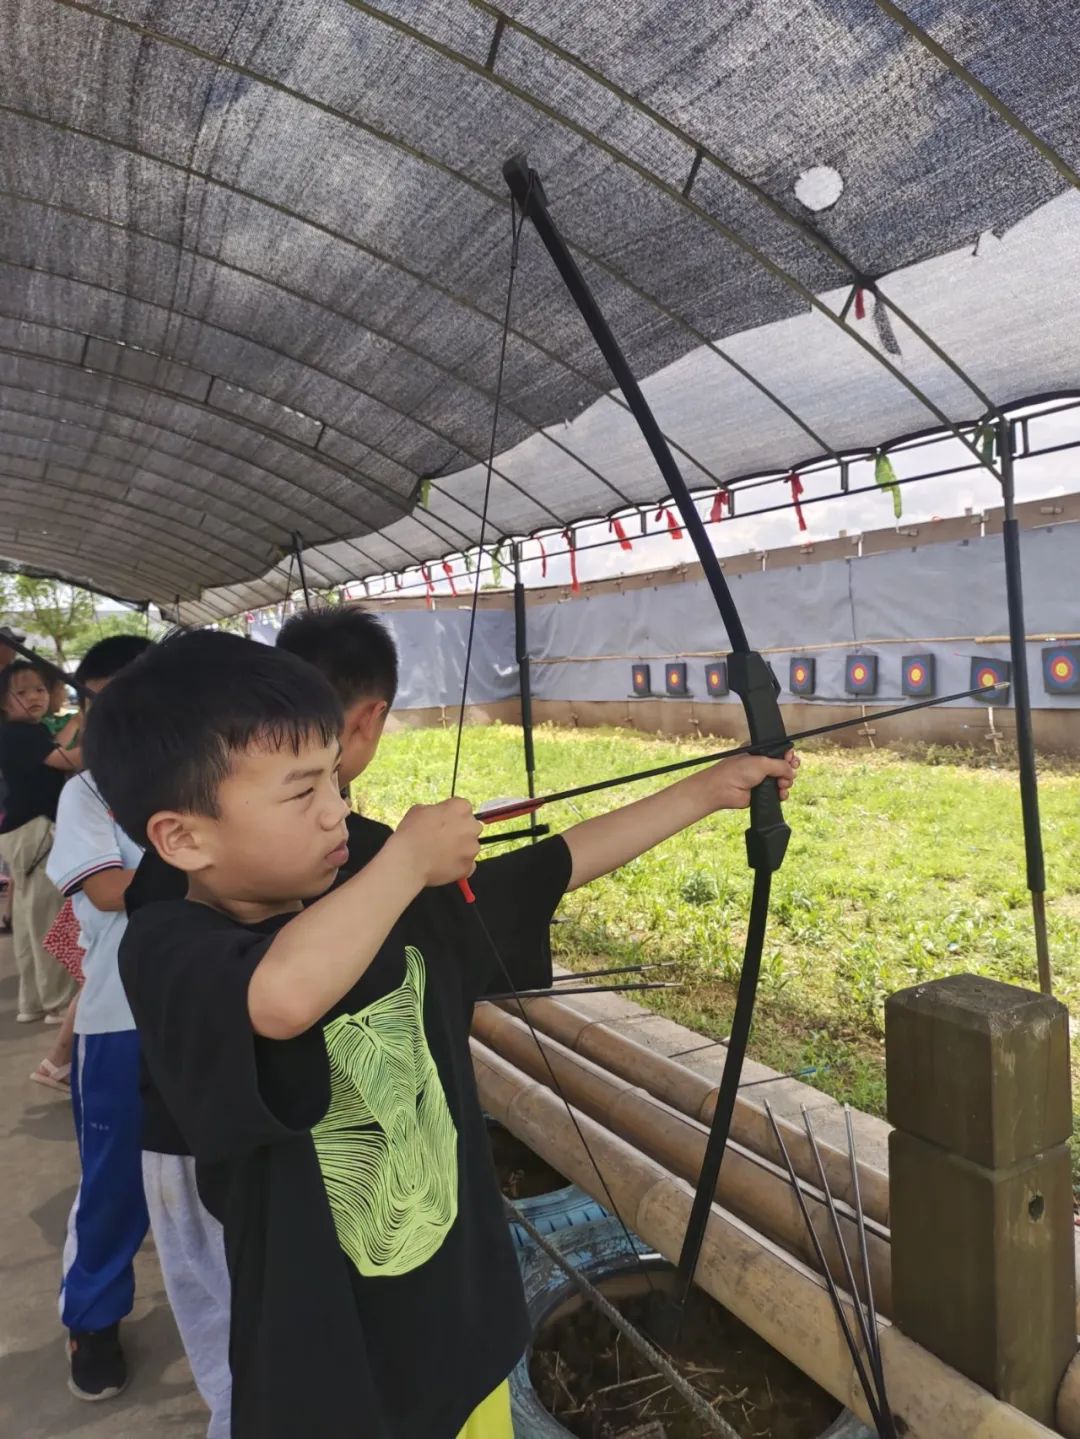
(672, 523)
(543, 560)
(796, 490)
(575, 584)
(620, 534)
(860, 304)
(721, 503)
(430, 587)
(448, 571)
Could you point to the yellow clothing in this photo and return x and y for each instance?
(491, 1417)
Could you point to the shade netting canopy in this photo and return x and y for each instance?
(254, 260)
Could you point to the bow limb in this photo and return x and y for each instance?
(749, 676)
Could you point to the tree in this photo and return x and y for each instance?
(126, 622)
(48, 608)
(65, 615)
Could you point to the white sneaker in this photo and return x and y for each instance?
(54, 1019)
(24, 1018)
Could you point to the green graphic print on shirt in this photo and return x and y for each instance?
(387, 1146)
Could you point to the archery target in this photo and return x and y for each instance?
(986, 671)
(641, 680)
(802, 675)
(917, 676)
(716, 680)
(675, 677)
(860, 675)
(1061, 670)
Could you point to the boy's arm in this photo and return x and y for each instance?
(600, 845)
(86, 848)
(317, 957)
(106, 891)
(68, 761)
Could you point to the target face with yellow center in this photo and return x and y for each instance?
(802, 675)
(675, 677)
(985, 671)
(1061, 670)
(917, 676)
(641, 680)
(716, 680)
(860, 674)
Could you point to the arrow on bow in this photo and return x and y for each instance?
(749, 675)
(499, 810)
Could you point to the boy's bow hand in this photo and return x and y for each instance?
(731, 781)
(443, 840)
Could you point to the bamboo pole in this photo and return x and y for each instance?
(750, 1184)
(774, 1294)
(695, 1095)
(1068, 1400)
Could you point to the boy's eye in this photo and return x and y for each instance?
(303, 793)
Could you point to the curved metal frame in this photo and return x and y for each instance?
(488, 73)
(396, 143)
(613, 152)
(235, 420)
(474, 455)
(384, 259)
(98, 506)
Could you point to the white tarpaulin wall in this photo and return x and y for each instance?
(938, 599)
(253, 260)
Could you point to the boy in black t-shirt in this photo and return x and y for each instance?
(316, 1059)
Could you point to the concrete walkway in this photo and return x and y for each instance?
(38, 1175)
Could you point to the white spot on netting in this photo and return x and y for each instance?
(819, 187)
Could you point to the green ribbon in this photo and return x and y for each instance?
(885, 476)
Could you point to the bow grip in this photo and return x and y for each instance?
(752, 679)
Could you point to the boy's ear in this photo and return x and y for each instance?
(366, 718)
(178, 840)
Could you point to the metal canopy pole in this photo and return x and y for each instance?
(521, 649)
(1025, 743)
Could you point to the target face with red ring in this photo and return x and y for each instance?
(802, 675)
(1061, 670)
(986, 671)
(860, 674)
(716, 680)
(641, 680)
(675, 677)
(917, 676)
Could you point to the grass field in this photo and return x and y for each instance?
(899, 870)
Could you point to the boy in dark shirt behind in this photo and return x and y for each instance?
(316, 1059)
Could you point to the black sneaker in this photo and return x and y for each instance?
(98, 1367)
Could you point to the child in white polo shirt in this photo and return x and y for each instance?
(92, 862)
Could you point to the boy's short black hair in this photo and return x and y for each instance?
(352, 648)
(163, 734)
(109, 656)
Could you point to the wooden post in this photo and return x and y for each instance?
(980, 1183)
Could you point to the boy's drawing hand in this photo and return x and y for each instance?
(443, 840)
(730, 782)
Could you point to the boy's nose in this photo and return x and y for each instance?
(335, 811)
